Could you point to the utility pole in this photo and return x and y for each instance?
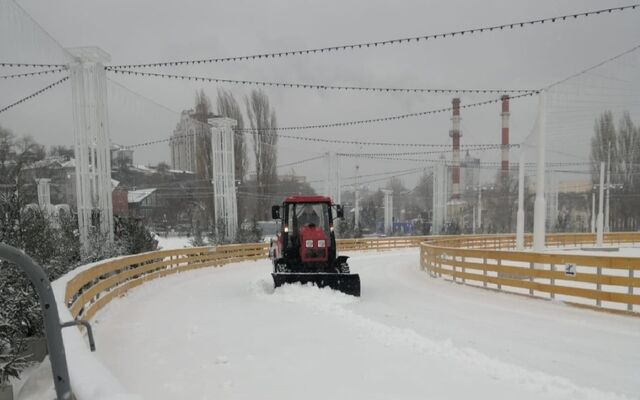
(539, 212)
(599, 228)
(593, 212)
(388, 211)
(357, 199)
(606, 210)
(520, 213)
(480, 208)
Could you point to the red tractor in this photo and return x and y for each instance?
(305, 249)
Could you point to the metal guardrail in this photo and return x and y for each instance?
(52, 325)
(485, 261)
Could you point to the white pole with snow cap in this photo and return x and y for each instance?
(539, 210)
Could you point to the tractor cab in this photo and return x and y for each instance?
(305, 250)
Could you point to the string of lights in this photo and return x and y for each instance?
(383, 119)
(389, 42)
(44, 89)
(29, 65)
(315, 86)
(477, 147)
(334, 141)
(26, 74)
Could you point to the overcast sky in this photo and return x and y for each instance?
(151, 31)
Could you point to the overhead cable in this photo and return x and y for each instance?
(389, 42)
(44, 89)
(315, 86)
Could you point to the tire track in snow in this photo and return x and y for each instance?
(334, 303)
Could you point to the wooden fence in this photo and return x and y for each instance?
(479, 259)
(603, 281)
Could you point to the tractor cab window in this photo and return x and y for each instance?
(302, 215)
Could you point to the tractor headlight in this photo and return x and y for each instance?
(321, 243)
(308, 243)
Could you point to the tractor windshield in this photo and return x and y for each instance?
(308, 214)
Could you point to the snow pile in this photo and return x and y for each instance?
(174, 242)
(90, 380)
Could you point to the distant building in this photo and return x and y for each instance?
(191, 145)
(120, 156)
(120, 199)
(142, 203)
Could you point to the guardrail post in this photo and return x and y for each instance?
(499, 263)
(50, 316)
(531, 277)
(630, 290)
(553, 281)
(484, 272)
(453, 275)
(463, 280)
(598, 285)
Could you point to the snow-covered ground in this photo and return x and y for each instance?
(173, 242)
(224, 333)
(623, 250)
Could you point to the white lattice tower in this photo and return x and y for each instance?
(224, 180)
(44, 192)
(388, 211)
(92, 144)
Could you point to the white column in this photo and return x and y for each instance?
(593, 212)
(327, 160)
(480, 208)
(357, 199)
(539, 211)
(44, 193)
(338, 189)
(223, 176)
(92, 143)
(435, 206)
(520, 213)
(473, 219)
(599, 226)
(388, 211)
(608, 187)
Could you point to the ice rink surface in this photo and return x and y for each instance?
(224, 333)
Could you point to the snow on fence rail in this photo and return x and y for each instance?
(609, 281)
(92, 289)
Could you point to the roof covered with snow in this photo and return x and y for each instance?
(136, 196)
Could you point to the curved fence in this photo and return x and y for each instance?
(92, 289)
(601, 281)
(482, 260)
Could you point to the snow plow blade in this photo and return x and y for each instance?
(346, 283)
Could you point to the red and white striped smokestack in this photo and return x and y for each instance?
(455, 135)
(505, 135)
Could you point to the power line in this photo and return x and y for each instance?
(26, 74)
(389, 42)
(608, 60)
(44, 89)
(315, 86)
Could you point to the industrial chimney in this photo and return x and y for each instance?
(455, 135)
(505, 136)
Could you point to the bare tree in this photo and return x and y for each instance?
(624, 143)
(203, 136)
(229, 107)
(262, 120)
(603, 140)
